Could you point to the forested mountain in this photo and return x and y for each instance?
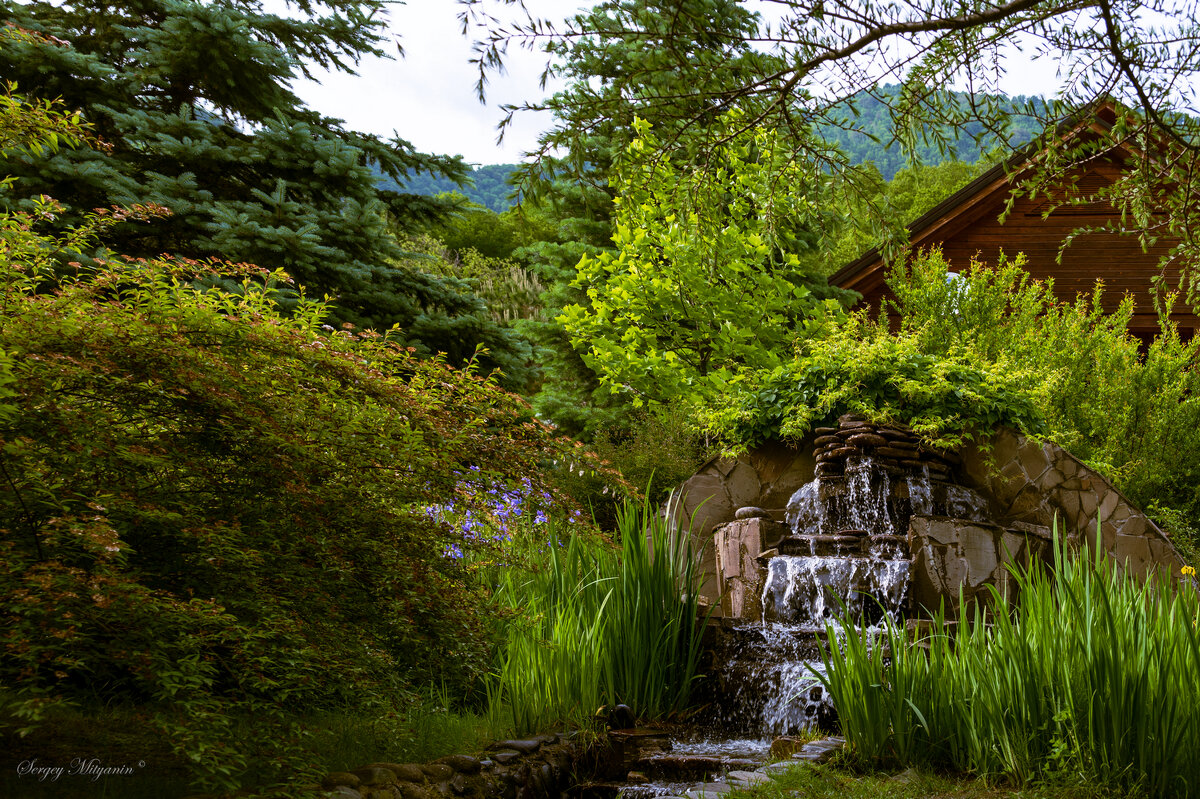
(870, 139)
(490, 185)
(871, 136)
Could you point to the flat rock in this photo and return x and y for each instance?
(462, 763)
(528, 746)
(867, 440)
(748, 777)
(505, 756)
(751, 512)
(820, 751)
(708, 790)
(781, 766)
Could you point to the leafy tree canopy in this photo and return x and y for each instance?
(813, 60)
(705, 280)
(194, 101)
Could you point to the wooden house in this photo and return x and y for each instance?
(968, 223)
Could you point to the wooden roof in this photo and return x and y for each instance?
(967, 223)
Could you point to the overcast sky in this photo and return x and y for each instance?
(428, 97)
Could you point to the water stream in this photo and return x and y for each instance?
(845, 561)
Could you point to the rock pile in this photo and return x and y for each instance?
(893, 446)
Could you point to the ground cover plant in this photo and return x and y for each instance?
(841, 780)
(1089, 677)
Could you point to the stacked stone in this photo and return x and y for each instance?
(894, 447)
(537, 768)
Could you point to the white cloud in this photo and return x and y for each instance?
(428, 97)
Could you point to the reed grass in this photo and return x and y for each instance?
(1092, 677)
(601, 625)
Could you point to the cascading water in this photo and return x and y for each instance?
(846, 558)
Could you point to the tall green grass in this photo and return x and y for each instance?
(598, 624)
(1093, 676)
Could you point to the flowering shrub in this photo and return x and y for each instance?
(216, 510)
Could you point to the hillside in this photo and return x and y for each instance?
(489, 185)
(870, 141)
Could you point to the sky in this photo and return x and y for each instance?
(428, 97)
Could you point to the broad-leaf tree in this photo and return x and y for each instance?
(706, 279)
(820, 55)
(195, 100)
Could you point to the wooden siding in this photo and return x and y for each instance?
(972, 228)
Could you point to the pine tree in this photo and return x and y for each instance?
(195, 100)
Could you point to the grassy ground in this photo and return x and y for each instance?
(830, 782)
(117, 737)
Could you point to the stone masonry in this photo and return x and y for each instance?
(1030, 487)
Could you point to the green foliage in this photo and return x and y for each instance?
(217, 510)
(1091, 675)
(569, 182)
(596, 625)
(509, 290)
(861, 368)
(869, 212)
(705, 281)
(1131, 412)
(195, 100)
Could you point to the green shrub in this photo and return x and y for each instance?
(1132, 412)
(1092, 675)
(218, 511)
(856, 366)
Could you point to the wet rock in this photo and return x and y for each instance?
(781, 766)
(867, 440)
(708, 790)
(786, 746)
(820, 751)
(751, 512)
(748, 777)
(505, 756)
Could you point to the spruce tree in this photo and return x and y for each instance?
(195, 100)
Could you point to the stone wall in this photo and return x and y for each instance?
(764, 478)
(741, 547)
(1038, 484)
(1030, 486)
(536, 768)
(950, 555)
